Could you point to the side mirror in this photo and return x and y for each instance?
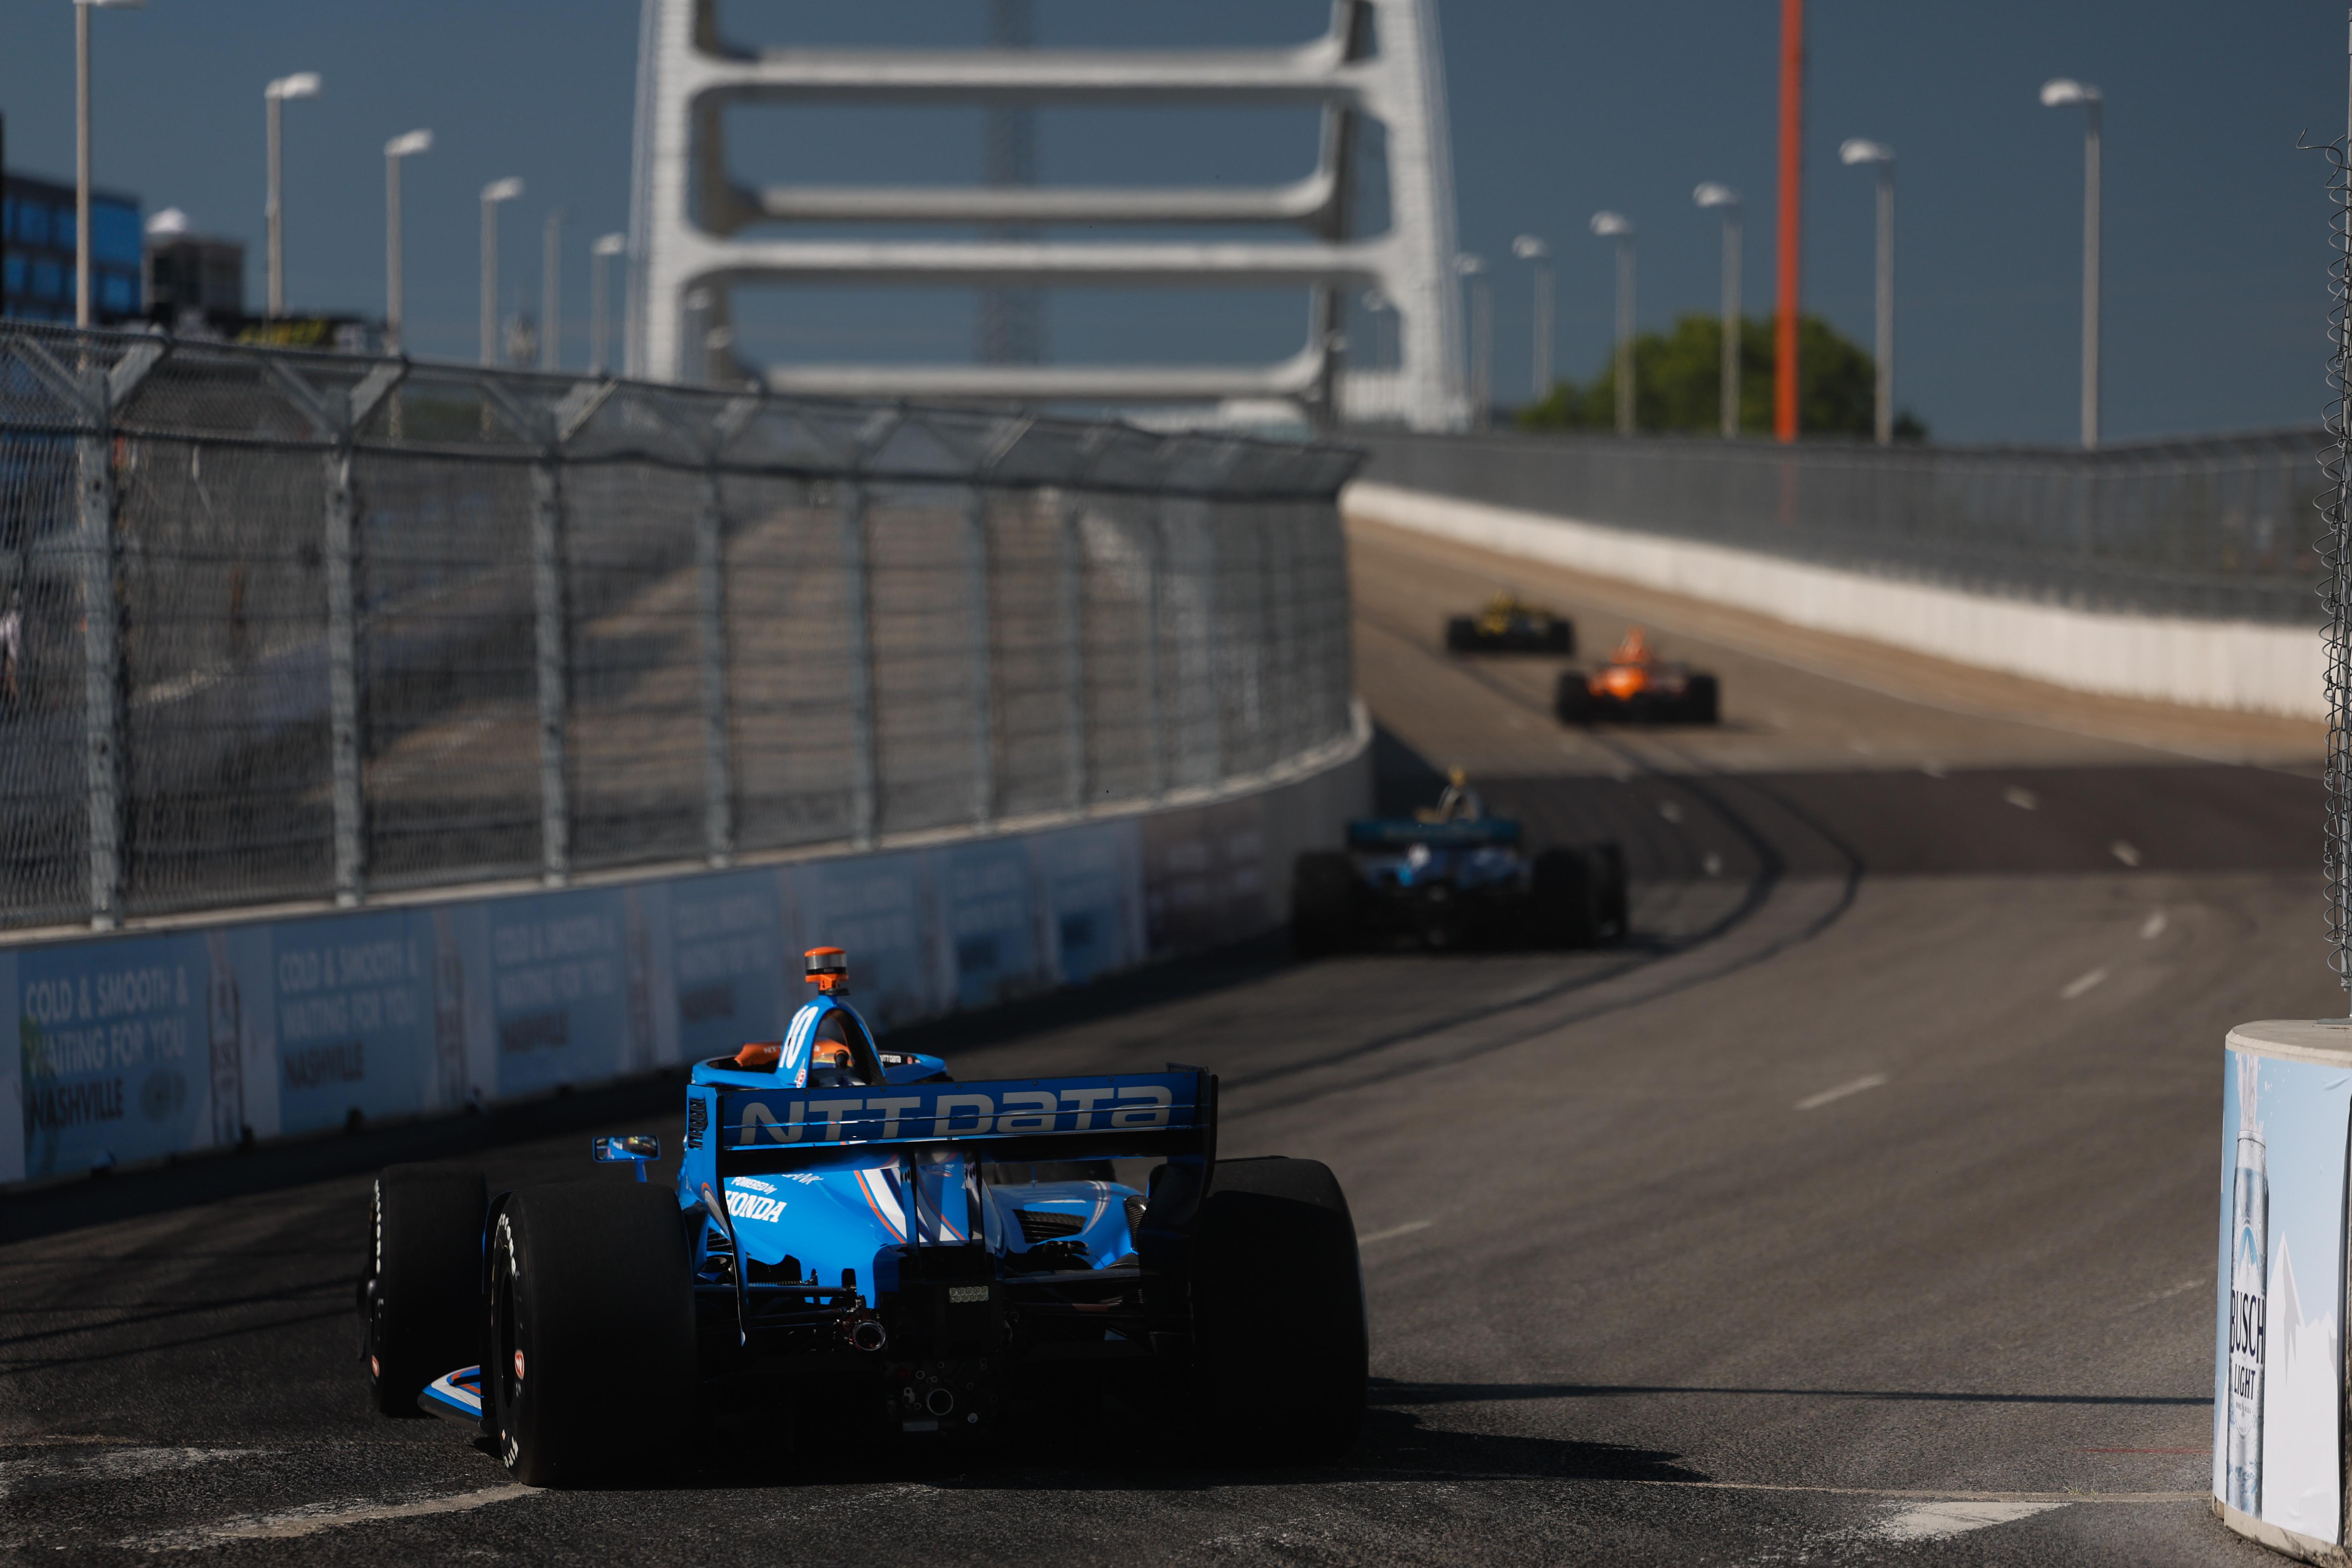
(633, 1148)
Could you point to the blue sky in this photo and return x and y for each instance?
(2216, 234)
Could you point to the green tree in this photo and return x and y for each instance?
(1678, 380)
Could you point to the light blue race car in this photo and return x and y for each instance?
(858, 1241)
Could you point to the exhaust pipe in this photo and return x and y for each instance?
(867, 1334)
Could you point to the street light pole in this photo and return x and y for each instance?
(82, 9)
(394, 291)
(551, 291)
(301, 84)
(1857, 151)
(1711, 195)
(599, 307)
(1618, 228)
(1482, 336)
(2055, 94)
(1527, 248)
(496, 192)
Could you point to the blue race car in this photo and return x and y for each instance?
(860, 1246)
(1453, 877)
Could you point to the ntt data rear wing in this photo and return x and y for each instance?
(1172, 1113)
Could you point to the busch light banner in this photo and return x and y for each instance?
(2278, 1343)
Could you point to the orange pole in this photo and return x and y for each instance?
(1792, 161)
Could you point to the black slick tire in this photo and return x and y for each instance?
(1699, 701)
(1461, 634)
(1572, 699)
(1278, 1315)
(421, 1294)
(591, 1369)
(1323, 903)
(1611, 903)
(1564, 896)
(1560, 638)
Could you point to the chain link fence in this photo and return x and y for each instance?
(2217, 528)
(289, 626)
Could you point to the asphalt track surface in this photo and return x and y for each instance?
(1861, 1208)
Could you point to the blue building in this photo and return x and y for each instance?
(37, 252)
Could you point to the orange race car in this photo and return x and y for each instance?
(1635, 686)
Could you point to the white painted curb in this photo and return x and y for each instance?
(2248, 666)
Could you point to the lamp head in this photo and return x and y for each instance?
(1469, 264)
(1862, 150)
(414, 141)
(1527, 248)
(610, 245)
(1711, 195)
(504, 190)
(114, 4)
(301, 84)
(1612, 226)
(2061, 90)
(167, 224)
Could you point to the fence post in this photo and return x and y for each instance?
(1214, 650)
(717, 766)
(1154, 554)
(554, 667)
(343, 677)
(101, 655)
(865, 776)
(101, 389)
(983, 679)
(1073, 647)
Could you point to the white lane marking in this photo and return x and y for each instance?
(2125, 851)
(52, 1471)
(2024, 799)
(2152, 927)
(2082, 983)
(295, 1523)
(2166, 1294)
(1395, 1231)
(1671, 810)
(1855, 1086)
(1936, 1520)
(1933, 769)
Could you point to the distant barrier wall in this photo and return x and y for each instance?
(2255, 665)
(139, 1044)
(2217, 528)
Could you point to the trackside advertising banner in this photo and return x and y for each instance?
(2278, 1338)
(134, 1047)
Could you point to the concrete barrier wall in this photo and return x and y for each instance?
(149, 1043)
(2242, 664)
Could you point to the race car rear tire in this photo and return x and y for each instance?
(421, 1295)
(1323, 903)
(1699, 701)
(1572, 700)
(1560, 636)
(591, 1370)
(1566, 899)
(1613, 914)
(1461, 634)
(1278, 1314)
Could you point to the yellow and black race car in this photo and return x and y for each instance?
(1509, 625)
